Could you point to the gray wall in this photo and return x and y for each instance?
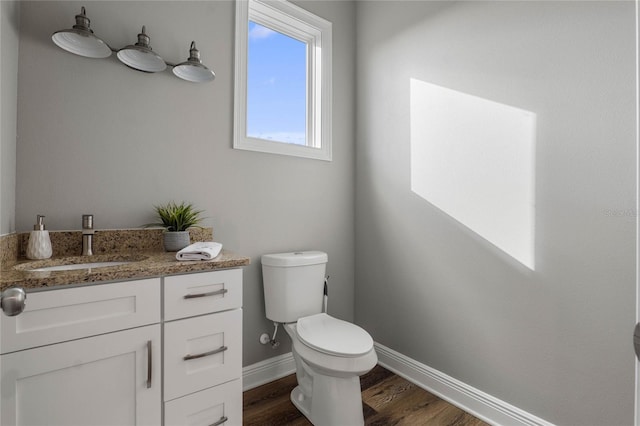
(97, 137)
(554, 341)
(9, 39)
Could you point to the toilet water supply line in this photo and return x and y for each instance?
(273, 341)
(264, 338)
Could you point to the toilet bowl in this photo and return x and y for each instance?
(328, 391)
(332, 346)
(330, 354)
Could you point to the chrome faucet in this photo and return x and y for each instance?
(87, 234)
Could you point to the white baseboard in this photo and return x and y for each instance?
(482, 405)
(267, 371)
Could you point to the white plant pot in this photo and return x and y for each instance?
(175, 241)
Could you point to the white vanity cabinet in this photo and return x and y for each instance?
(124, 353)
(83, 356)
(203, 348)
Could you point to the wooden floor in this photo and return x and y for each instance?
(387, 400)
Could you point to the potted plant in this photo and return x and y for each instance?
(176, 219)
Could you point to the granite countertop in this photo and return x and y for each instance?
(142, 265)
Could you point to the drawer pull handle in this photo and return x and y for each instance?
(222, 420)
(202, 355)
(149, 364)
(211, 293)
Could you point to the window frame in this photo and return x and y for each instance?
(295, 22)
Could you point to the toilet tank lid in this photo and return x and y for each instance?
(297, 258)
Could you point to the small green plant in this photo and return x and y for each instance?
(176, 217)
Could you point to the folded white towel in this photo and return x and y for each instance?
(199, 251)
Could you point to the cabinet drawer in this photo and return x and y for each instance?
(219, 405)
(66, 314)
(202, 293)
(202, 352)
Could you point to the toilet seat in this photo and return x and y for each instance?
(333, 336)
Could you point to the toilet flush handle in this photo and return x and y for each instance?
(325, 298)
(636, 340)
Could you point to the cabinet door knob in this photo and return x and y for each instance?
(213, 352)
(12, 301)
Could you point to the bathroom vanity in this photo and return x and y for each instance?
(166, 349)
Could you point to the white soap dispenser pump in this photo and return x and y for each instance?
(39, 246)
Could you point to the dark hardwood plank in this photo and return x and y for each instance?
(374, 376)
(269, 404)
(387, 400)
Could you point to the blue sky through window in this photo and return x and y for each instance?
(276, 86)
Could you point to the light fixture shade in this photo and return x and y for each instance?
(139, 56)
(192, 69)
(81, 40)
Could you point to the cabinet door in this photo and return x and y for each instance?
(219, 405)
(112, 379)
(202, 352)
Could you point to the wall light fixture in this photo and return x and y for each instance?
(81, 40)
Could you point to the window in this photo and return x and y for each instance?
(283, 80)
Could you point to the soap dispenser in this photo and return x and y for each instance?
(39, 246)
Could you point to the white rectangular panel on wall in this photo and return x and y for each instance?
(474, 159)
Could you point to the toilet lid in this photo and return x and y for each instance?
(333, 336)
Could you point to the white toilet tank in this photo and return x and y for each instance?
(293, 284)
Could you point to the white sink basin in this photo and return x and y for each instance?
(78, 263)
(75, 266)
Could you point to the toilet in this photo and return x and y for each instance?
(330, 354)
